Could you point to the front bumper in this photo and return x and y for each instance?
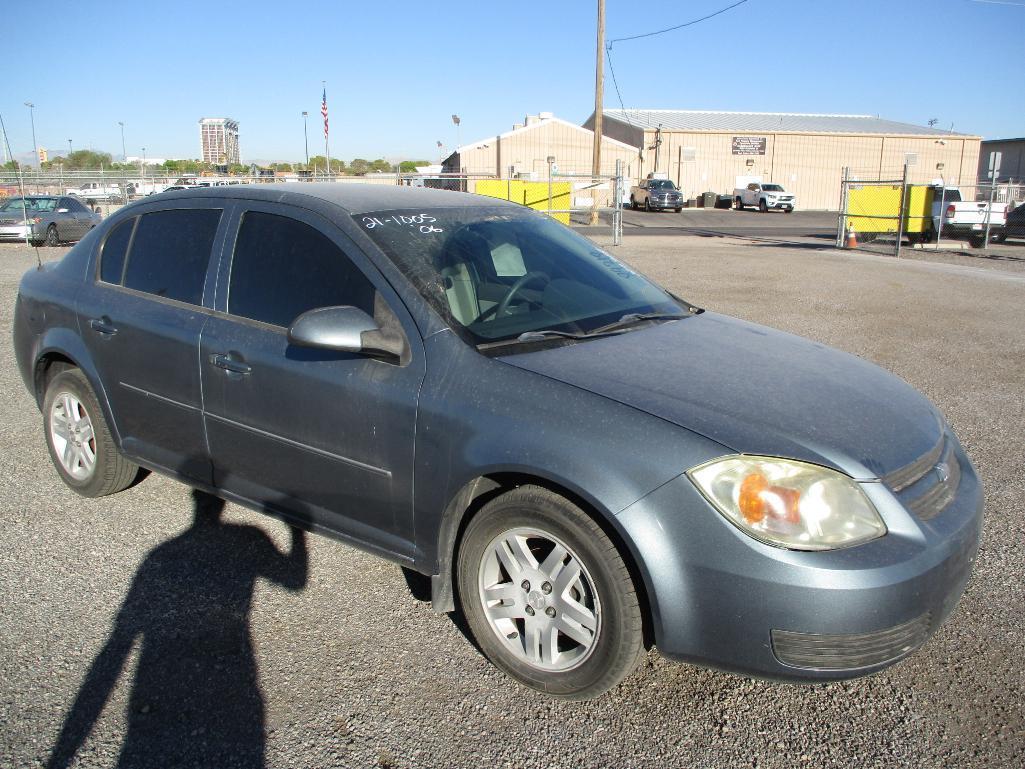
(722, 599)
(664, 204)
(781, 204)
(13, 232)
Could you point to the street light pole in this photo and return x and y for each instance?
(143, 171)
(599, 85)
(124, 153)
(32, 119)
(70, 151)
(306, 137)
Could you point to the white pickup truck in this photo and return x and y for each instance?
(97, 192)
(766, 196)
(966, 219)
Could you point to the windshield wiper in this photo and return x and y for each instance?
(635, 317)
(544, 335)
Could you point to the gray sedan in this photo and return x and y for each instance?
(45, 219)
(582, 462)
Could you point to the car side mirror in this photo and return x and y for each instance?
(345, 329)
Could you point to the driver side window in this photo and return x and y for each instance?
(283, 267)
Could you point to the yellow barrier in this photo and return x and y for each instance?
(875, 208)
(531, 194)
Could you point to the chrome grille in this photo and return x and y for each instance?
(931, 503)
(931, 481)
(905, 476)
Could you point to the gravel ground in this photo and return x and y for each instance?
(120, 606)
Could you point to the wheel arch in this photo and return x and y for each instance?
(481, 490)
(61, 349)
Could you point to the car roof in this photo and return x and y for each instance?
(356, 198)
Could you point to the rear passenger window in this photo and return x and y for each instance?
(170, 253)
(283, 267)
(115, 248)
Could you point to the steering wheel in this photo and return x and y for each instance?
(502, 307)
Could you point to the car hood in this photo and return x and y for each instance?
(754, 390)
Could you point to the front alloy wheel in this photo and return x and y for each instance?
(539, 599)
(547, 595)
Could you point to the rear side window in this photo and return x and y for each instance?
(115, 249)
(170, 253)
(283, 267)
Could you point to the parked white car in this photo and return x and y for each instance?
(765, 196)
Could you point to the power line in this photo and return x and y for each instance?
(612, 71)
(678, 26)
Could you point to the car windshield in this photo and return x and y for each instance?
(496, 273)
(772, 188)
(661, 184)
(31, 204)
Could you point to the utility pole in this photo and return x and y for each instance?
(599, 85)
(306, 137)
(124, 152)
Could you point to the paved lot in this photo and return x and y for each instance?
(347, 668)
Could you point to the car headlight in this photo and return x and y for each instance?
(789, 504)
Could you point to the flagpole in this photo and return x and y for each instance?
(327, 149)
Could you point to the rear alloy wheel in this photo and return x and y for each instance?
(763, 207)
(80, 444)
(52, 239)
(633, 203)
(547, 595)
(738, 204)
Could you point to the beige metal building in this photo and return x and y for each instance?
(523, 151)
(717, 151)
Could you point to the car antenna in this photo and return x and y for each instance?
(21, 186)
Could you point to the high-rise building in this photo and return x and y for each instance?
(218, 138)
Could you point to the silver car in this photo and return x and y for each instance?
(45, 219)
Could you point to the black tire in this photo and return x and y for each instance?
(763, 207)
(110, 472)
(678, 210)
(977, 242)
(647, 204)
(52, 238)
(633, 203)
(739, 204)
(788, 210)
(617, 642)
(1000, 237)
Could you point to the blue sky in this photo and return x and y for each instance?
(396, 72)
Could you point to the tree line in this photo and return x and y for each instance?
(90, 160)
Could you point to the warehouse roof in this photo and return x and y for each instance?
(768, 122)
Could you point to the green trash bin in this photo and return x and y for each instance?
(709, 199)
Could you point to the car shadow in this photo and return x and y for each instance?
(195, 698)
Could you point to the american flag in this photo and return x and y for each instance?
(323, 111)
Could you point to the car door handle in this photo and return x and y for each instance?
(103, 326)
(229, 364)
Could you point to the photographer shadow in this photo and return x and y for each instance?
(195, 698)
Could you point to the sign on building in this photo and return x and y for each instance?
(748, 145)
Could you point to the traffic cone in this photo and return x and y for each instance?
(852, 239)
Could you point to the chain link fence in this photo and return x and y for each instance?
(574, 199)
(886, 215)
